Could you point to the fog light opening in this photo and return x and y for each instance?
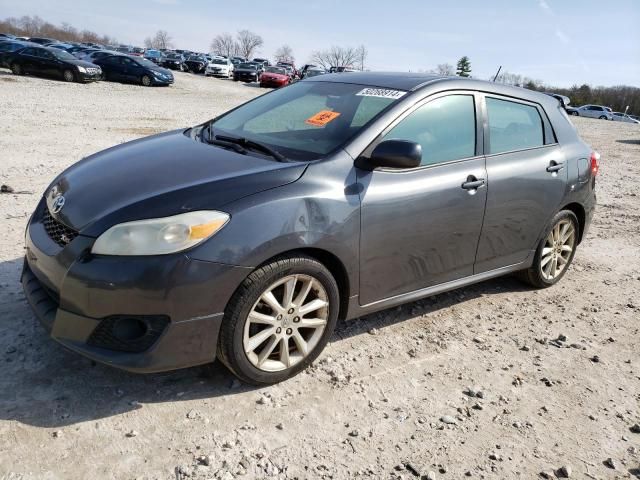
(130, 329)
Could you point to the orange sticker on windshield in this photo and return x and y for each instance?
(321, 118)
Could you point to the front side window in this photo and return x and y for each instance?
(444, 127)
(513, 126)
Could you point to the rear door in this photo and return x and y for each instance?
(526, 178)
(420, 227)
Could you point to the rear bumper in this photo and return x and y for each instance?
(77, 297)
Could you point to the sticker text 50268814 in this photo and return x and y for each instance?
(380, 92)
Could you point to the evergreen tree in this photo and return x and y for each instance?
(464, 67)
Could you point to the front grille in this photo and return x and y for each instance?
(93, 70)
(105, 334)
(57, 231)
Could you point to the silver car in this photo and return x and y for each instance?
(623, 117)
(592, 111)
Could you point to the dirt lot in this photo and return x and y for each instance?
(388, 398)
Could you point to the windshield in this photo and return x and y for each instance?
(146, 63)
(196, 59)
(61, 54)
(173, 56)
(307, 120)
(219, 61)
(250, 66)
(279, 70)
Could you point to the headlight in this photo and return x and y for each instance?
(159, 236)
(82, 69)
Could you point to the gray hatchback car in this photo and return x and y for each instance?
(248, 237)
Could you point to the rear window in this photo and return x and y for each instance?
(513, 126)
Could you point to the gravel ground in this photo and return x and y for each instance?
(492, 381)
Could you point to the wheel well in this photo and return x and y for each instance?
(579, 212)
(333, 264)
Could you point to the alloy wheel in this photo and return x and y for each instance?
(557, 249)
(146, 81)
(68, 76)
(286, 323)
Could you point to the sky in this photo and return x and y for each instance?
(561, 42)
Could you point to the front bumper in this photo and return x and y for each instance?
(90, 77)
(77, 296)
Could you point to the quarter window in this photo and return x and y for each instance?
(444, 127)
(513, 126)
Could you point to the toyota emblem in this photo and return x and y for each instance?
(57, 204)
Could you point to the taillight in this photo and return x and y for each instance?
(595, 163)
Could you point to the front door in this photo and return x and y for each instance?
(420, 227)
(527, 180)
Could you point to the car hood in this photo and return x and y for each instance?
(160, 176)
(81, 63)
(275, 76)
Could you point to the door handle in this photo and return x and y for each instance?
(555, 166)
(472, 183)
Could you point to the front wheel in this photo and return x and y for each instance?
(146, 80)
(68, 76)
(575, 114)
(555, 252)
(16, 69)
(279, 320)
(602, 117)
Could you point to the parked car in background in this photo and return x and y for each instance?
(238, 60)
(263, 61)
(289, 69)
(195, 64)
(623, 117)
(83, 53)
(42, 40)
(317, 203)
(275, 77)
(219, 67)
(341, 69)
(7, 35)
(313, 72)
(61, 46)
(591, 111)
(247, 72)
(52, 62)
(126, 68)
(137, 51)
(9, 47)
(173, 61)
(155, 56)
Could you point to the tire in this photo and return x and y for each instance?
(575, 114)
(68, 76)
(16, 69)
(602, 117)
(146, 80)
(265, 363)
(548, 252)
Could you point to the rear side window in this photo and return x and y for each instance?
(444, 127)
(513, 126)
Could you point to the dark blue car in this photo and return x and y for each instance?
(129, 69)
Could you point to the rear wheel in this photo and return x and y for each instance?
(555, 252)
(146, 80)
(279, 320)
(68, 76)
(16, 69)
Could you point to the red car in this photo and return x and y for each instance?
(274, 77)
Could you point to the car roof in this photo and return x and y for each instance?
(414, 81)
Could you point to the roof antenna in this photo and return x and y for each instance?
(497, 73)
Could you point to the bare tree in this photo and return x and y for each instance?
(361, 54)
(335, 57)
(224, 44)
(284, 54)
(445, 70)
(248, 43)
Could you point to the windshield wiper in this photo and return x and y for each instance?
(245, 142)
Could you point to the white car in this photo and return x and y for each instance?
(219, 67)
(623, 117)
(592, 111)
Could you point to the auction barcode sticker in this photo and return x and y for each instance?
(380, 92)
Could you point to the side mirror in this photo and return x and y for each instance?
(395, 154)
